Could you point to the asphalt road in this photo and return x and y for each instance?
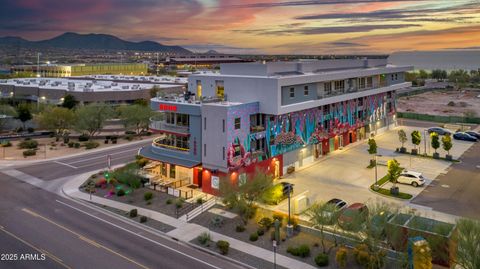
(457, 191)
(69, 166)
(34, 221)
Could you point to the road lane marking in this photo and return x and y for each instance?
(66, 164)
(112, 159)
(102, 156)
(141, 236)
(91, 242)
(28, 211)
(48, 254)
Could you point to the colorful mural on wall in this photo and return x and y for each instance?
(294, 130)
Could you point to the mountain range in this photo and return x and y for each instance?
(91, 41)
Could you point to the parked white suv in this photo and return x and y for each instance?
(411, 178)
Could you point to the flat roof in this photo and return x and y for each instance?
(81, 85)
(149, 79)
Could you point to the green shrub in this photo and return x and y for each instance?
(129, 137)
(91, 145)
(203, 238)
(260, 231)
(29, 152)
(28, 144)
(200, 201)
(141, 162)
(83, 138)
(169, 201)
(6, 144)
(30, 130)
(148, 196)
(133, 213)
(360, 253)
(321, 260)
(266, 223)
(71, 144)
(273, 195)
(120, 192)
(278, 216)
(179, 203)
(300, 251)
(253, 237)
(77, 145)
(223, 246)
(143, 219)
(240, 228)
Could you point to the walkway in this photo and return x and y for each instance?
(184, 231)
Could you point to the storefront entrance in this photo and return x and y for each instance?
(317, 150)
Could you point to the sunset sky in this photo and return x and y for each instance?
(257, 26)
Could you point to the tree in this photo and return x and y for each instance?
(69, 101)
(447, 143)
(321, 214)
(402, 137)
(468, 244)
(439, 74)
(154, 91)
(372, 150)
(90, 119)
(136, 117)
(6, 111)
(141, 102)
(416, 138)
(460, 77)
(242, 198)
(423, 74)
(24, 113)
(56, 119)
(435, 141)
(393, 171)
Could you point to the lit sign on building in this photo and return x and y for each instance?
(165, 107)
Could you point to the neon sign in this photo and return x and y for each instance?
(165, 107)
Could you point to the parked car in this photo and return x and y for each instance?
(474, 134)
(411, 178)
(353, 217)
(339, 203)
(464, 136)
(439, 130)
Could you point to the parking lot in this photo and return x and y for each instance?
(344, 174)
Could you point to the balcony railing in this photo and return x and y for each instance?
(164, 126)
(163, 143)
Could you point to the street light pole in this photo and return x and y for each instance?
(425, 141)
(376, 170)
(38, 64)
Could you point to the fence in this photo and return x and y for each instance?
(438, 118)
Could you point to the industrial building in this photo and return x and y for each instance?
(69, 70)
(273, 116)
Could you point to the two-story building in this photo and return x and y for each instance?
(270, 116)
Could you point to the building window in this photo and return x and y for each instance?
(305, 90)
(223, 153)
(182, 119)
(292, 92)
(360, 101)
(369, 82)
(361, 83)
(204, 150)
(339, 85)
(237, 123)
(172, 171)
(220, 88)
(223, 125)
(328, 88)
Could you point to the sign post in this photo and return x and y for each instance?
(109, 161)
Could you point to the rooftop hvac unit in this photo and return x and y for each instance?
(114, 84)
(125, 87)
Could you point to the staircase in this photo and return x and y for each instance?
(199, 209)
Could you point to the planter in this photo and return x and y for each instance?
(436, 155)
(403, 150)
(290, 169)
(376, 187)
(449, 157)
(394, 191)
(414, 151)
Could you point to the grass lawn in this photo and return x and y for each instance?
(384, 191)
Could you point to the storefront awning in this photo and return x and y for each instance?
(149, 154)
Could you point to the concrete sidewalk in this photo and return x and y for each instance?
(184, 231)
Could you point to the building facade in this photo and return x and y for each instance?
(269, 117)
(69, 70)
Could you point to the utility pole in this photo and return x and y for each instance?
(38, 64)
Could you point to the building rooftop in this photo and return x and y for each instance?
(81, 85)
(147, 79)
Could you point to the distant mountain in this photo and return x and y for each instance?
(92, 41)
(212, 52)
(442, 59)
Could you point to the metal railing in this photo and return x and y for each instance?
(164, 126)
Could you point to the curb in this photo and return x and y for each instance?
(154, 231)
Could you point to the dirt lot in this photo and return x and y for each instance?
(442, 102)
(54, 149)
